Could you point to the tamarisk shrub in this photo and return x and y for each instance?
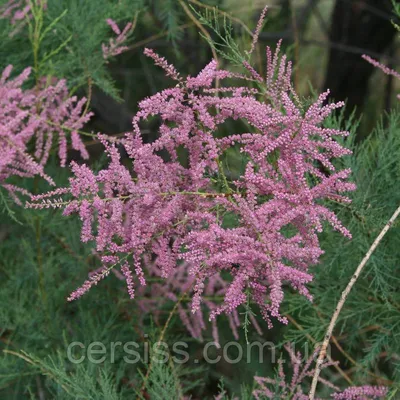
(14, 133)
(163, 210)
(35, 114)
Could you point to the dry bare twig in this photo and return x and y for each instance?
(343, 297)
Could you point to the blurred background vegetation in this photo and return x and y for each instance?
(323, 38)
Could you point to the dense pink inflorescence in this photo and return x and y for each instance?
(172, 210)
(15, 133)
(61, 115)
(116, 45)
(362, 393)
(35, 115)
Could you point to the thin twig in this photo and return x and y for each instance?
(296, 47)
(152, 38)
(203, 31)
(342, 300)
(352, 360)
(364, 330)
(309, 337)
(225, 15)
(288, 34)
(381, 380)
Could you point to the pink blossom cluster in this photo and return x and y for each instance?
(362, 393)
(115, 46)
(56, 113)
(172, 212)
(14, 132)
(283, 387)
(18, 12)
(35, 115)
(15, 10)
